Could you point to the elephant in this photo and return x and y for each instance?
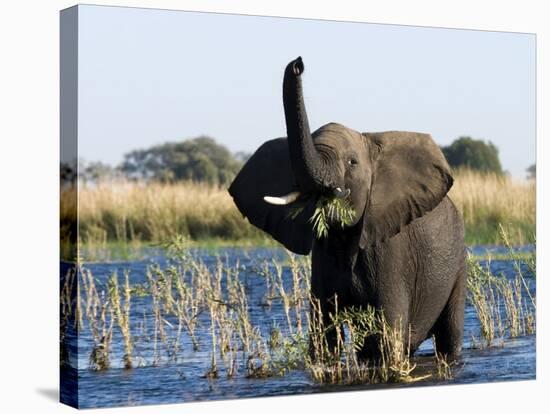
(403, 253)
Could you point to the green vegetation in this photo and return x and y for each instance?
(210, 305)
(486, 291)
(180, 188)
(532, 172)
(473, 154)
(328, 210)
(200, 159)
(121, 310)
(126, 215)
(96, 171)
(490, 200)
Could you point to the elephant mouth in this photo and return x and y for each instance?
(330, 209)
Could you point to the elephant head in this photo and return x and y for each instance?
(388, 178)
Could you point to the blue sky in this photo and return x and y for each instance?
(152, 76)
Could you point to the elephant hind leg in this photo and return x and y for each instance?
(449, 327)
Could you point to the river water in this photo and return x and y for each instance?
(168, 381)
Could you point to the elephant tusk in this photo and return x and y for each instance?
(339, 193)
(283, 200)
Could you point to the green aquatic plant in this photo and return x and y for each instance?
(208, 305)
(343, 363)
(328, 210)
(121, 309)
(444, 368)
(139, 290)
(504, 306)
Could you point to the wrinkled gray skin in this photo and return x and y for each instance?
(404, 253)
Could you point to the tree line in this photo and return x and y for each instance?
(202, 159)
(199, 159)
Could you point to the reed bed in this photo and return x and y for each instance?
(121, 310)
(134, 212)
(194, 308)
(505, 307)
(489, 200)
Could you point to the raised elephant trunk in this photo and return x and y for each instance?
(306, 163)
(310, 172)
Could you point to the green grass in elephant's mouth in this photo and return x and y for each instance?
(328, 210)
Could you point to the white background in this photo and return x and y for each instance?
(29, 162)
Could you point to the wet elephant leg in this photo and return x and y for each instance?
(449, 327)
(396, 316)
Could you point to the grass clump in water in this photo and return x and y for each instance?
(443, 366)
(121, 310)
(191, 305)
(344, 365)
(100, 317)
(504, 306)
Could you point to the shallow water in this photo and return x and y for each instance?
(183, 380)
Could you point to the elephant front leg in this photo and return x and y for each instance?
(449, 327)
(325, 335)
(389, 339)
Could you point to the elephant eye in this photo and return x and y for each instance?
(352, 161)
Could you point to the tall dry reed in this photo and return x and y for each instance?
(134, 211)
(122, 211)
(209, 302)
(487, 200)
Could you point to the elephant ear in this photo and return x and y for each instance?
(410, 178)
(268, 173)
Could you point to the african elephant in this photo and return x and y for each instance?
(403, 252)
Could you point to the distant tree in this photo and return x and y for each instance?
(474, 154)
(532, 172)
(67, 173)
(96, 171)
(198, 159)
